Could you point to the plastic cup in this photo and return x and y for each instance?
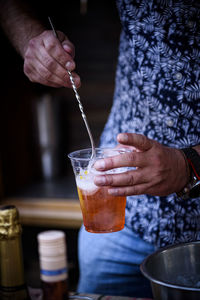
(102, 213)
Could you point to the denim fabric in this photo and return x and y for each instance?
(109, 263)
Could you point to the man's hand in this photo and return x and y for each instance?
(159, 170)
(47, 59)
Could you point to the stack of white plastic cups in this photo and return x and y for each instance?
(53, 256)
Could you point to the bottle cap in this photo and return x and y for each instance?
(51, 236)
(52, 251)
(10, 226)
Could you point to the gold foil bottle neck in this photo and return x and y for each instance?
(10, 226)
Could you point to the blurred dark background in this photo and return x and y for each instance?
(41, 125)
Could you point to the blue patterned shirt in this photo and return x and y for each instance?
(157, 94)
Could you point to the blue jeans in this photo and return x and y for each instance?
(109, 263)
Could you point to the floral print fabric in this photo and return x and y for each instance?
(157, 94)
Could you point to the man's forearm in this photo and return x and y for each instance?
(19, 23)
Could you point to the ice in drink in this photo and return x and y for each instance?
(101, 212)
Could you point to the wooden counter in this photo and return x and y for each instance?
(56, 212)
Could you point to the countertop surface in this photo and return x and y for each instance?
(36, 294)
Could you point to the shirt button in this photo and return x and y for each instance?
(170, 122)
(190, 24)
(178, 76)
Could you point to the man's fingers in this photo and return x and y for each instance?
(138, 141)
(69, 48)
(52, 65)
(42, 75)
(54, 47)
(46, 61)
(129, 190)
(66, 44)
(56, 69)
(129, 178)
(131, 159)
(39, 72)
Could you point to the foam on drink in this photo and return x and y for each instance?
(84, 181)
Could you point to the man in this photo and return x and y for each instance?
(156, 110)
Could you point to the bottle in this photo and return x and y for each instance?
(53, 264)
(12, 284)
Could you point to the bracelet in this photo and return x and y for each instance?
(192, 188)
(185, 191)
(187, 165)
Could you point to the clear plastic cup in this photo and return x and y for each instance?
(101, 212)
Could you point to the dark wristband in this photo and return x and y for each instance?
(193, 159)
(192, 189)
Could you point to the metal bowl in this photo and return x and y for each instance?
(174, 272)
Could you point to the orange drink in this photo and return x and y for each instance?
(101, 212)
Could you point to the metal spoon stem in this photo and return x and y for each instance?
(78, 99)
(83, 114)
